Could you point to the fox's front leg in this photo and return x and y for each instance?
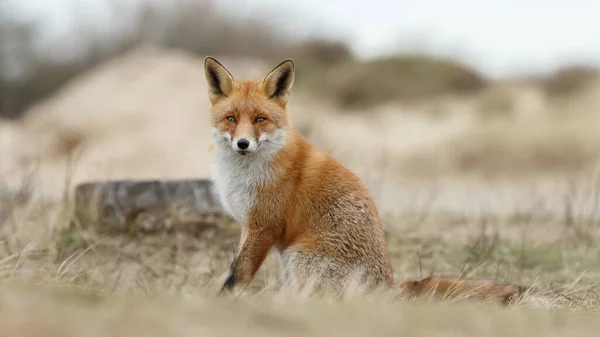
(254, 247)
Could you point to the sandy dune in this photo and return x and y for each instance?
(144, 115)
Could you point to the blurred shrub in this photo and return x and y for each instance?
(203, 29)
(403, 77)
(314, 58)
(321, 51)
(195, 26)
(569, 79)
(45, 80)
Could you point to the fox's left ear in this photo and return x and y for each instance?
(278, 83)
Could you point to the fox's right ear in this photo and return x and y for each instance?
(220, 81)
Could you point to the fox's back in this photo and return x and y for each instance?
(331, 223)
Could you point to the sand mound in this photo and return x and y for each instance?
(144, 115)
(141, 115)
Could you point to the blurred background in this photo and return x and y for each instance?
(493, 103)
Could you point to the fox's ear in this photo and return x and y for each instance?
(278, 82)
(220, 81)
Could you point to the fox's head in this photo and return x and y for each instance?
(249, 116)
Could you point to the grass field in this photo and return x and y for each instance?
(60, 282)
(32, 312)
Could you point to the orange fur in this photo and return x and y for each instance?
(287, 194)
(449, 287)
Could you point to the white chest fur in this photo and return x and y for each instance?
(237, 179)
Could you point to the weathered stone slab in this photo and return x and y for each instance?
(147, 205)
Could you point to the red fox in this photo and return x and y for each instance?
(286, 194)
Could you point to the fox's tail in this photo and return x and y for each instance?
(456, 287)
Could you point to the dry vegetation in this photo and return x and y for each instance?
(166, 283)
(473, 177)
(356, 84)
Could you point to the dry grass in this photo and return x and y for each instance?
(166, 283)
(34, 313)
(526, 211)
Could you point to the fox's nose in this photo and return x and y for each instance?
(243, 143)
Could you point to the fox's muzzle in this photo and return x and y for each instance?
(244, 146)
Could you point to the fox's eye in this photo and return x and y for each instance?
(230, 119)
(259, 119)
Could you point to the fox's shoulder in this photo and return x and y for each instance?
(317, 163)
